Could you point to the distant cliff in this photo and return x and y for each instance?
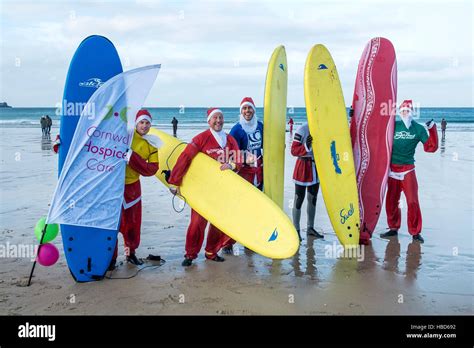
(4, 105)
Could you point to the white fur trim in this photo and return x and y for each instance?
(399, 175)
(245, 104)
(249, 126)
(153, 140)
(143, 117)
(214, 112)
(221, 137)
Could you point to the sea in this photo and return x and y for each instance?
(458, 118)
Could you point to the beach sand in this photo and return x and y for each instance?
(394, 277)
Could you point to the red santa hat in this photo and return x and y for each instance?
(212, 111)
(143, 114)
(406, 105)
(247, 101)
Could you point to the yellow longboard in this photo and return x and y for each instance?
(327, 120)
(230, 203)
(274, 121)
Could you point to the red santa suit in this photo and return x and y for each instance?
(223, 148)
(304, 173)
(291, 123)
(142, 161)
(402, 177)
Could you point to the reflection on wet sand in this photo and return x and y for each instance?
(369, 261)
(413, 262)
(310, 260)
(296, 264)
(249, 253)
(392, 256)
(46, 144)
(442, 146)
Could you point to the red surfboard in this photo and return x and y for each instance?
(372, 127)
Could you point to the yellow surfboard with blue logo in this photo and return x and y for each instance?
(329, 127)
(229, 202)
(274, 123)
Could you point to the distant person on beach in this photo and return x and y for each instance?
(215, 143)
(402, 177)
(49, 123)
(305, 177)
(248, 132)
(174, 122)
(142, 159)
(291, 123)
(443, 128)
(44, 124)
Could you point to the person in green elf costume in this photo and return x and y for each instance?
(402, 178)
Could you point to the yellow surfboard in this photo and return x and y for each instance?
(274, 122)
(327, 121)
(230, 203)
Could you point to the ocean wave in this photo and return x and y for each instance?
(29, 123)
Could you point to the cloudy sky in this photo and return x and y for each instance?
(216, 52)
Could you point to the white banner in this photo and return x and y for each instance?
(90, 188)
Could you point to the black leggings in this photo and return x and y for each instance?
(300, 192)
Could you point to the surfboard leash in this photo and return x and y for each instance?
(167, 176)
(162, 262)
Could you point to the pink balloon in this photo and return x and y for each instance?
(48, 255)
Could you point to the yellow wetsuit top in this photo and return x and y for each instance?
(146, 151)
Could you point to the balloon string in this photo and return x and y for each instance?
(37, 253)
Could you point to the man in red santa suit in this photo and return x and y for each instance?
(305, 178)
(222, 147)
(402, 177)
(142, 160)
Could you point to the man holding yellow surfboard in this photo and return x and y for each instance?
(222, 147)
(248, 133)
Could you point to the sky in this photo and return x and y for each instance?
(213, 53)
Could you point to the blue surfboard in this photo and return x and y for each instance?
(88, 250)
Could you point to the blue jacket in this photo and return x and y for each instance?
(251, 142)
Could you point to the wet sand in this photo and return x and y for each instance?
(394, 277)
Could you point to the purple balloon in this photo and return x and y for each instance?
(48, 255)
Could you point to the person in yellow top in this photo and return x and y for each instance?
(142, 159)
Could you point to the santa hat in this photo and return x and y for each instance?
(406, 105)
(247, 101)
(143, 114)
(212, 111)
